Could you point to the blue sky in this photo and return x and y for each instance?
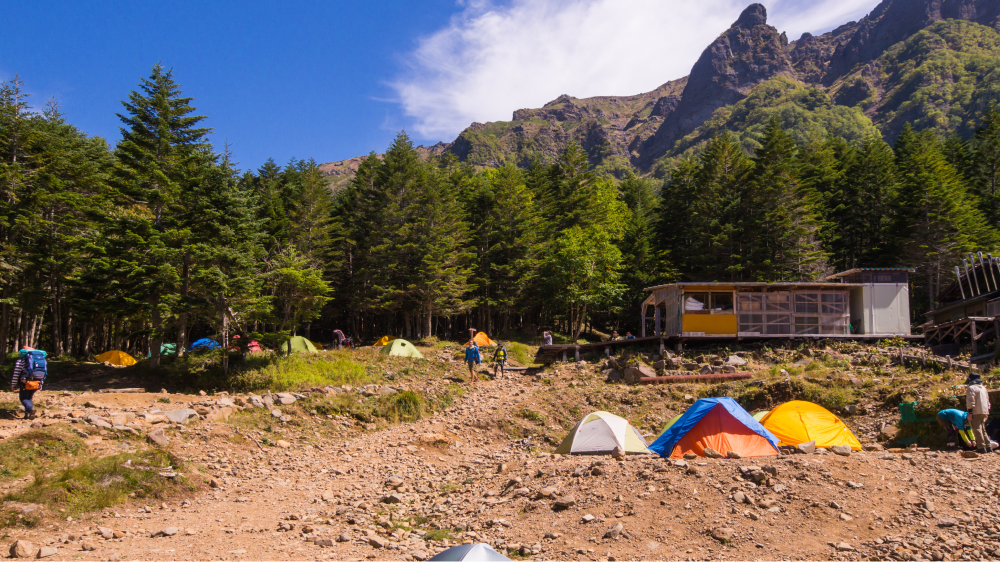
(336, 79)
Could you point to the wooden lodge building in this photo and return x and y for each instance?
(968, 310)
(864, 303)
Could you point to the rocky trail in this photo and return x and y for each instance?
(411, 490)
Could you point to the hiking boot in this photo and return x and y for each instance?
(29, 415)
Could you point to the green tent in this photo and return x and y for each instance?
(166, 350)
(299, 345)
(401, 348)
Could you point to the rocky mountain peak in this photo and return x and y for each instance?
(753, 15)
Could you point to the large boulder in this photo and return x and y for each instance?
(638, 371)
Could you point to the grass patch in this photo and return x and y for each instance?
(36, 449)
(303, 371)
(99, 483)
(439, 535)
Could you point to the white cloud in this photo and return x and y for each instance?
(490, 60)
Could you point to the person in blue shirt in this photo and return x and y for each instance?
(955, 421)
(473, 358)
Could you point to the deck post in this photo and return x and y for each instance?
(661, 347)
(656, 321)
(576, 353)
(643, 320)
(564, 356)
(975, 344)
(951, 363)
(607, 352)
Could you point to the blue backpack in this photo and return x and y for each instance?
(35, 366)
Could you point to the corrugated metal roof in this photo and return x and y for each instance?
(882, 269)
(758, 285)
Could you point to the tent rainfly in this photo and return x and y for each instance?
(401, 348)
(470, 552)
(298, 345)
(383, 340)
(719, 423)
(116, 358)
(798, 422)
(482, 340)
(204, 344)
(599, 434)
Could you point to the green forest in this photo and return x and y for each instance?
(163, 239)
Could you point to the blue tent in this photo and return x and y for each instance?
(719, 423)
(204, 344)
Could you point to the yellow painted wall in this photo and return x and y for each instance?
(711, 324)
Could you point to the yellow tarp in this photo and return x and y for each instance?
(384, 340)
(800, 422)
(116, 358)
(482, 340)
(318, 346)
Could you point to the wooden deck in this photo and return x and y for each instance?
(975, 328)
(548, 354)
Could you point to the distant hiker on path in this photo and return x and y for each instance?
(30, 371)
(499, 360)
(977, 401)
(473, 358)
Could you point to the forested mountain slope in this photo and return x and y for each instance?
(931, 62)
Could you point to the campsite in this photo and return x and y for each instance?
(389, 456)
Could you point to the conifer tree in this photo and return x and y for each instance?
(983, 168)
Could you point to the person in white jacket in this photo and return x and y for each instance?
(977, 401)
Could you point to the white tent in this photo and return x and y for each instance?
(600, 433)
(478, 552)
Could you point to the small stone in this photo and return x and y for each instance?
(596, 471)
(690, 456)
(739, 497)
(588, 518)
(22, 549)
(564, 502)
(47, 552)
(168, 532)
(158, 437)
(214, 483)
(377, 542)
(779, 488)
(618, 453)
(947, 522)
(846, 517)
(807, 448)
(328, 495)
(613, 532)
(547, 492)
(392, 498)
(723, 534)
(283, 444)
(106, 533)
(88, 546)
(733, 455)
(970, 455)
(842, 450)
(844, 547)
(712, 453)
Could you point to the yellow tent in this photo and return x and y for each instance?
(800, 422)
(116, 358)
(318, 346)
(384, 340)
(482, 340)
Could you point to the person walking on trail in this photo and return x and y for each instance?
(30, 371)
(977, 401)
(499, 361)
(473, 358)
(955, 422)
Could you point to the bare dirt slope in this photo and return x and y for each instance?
(410, 490)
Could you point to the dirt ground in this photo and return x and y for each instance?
(411, 490)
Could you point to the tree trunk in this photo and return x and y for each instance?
(428, 319)
(225, 333)
(156, 337)
(88, 335)
(182, 318)
(4, 325)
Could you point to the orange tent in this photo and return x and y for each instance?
(719, 423)
(482, 340)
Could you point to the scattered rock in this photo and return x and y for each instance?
(947, 522)
(47, 552)
(158, 437)
(88, 546)
(588, 518)
(613, 532)
(167, 532)
(377, 542)
(807, 448)
(283, 444)
(712, 453)
(723, 534)
(735, 361)
(618, 453)
(844, 547)
(733, 455)
(22, 549)
(970, 455)
(842, 450)
(564, 502)
(180, 416)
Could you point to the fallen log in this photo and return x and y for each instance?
(696, 378)
(122, 390)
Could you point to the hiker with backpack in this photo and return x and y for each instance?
(472, 358)
(29, 375)
(499, 361)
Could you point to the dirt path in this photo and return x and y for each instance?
(459, 472)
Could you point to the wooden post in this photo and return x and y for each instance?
(643, 320)
(607, 352)
(661, 347)
(656, 321)
(576, 353)
(564, 356)
(951, 363)
(975, 344)
(902, 358)
(923, 357)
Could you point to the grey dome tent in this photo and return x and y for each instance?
(471, 552)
